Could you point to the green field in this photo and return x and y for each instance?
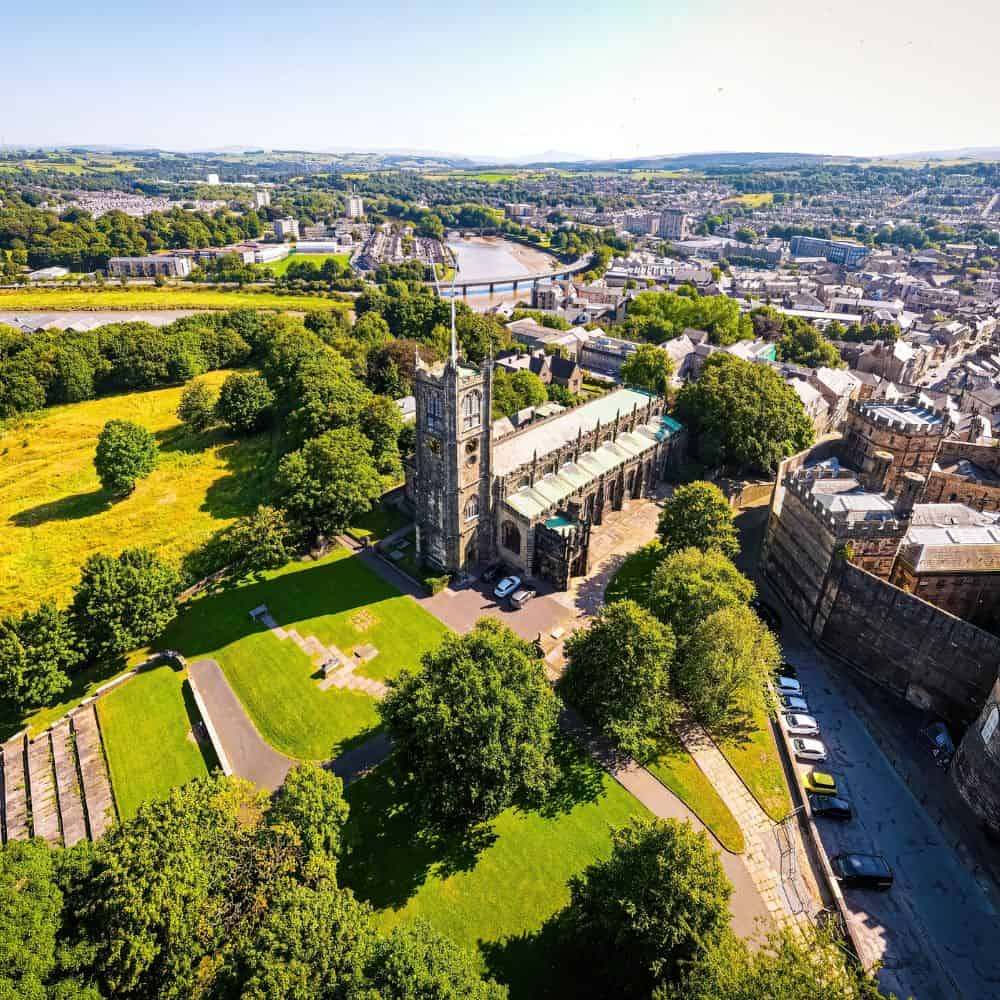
(143, 297)
(279, 267)
(377, 523)
(55, 514)
(751, 200)
(341, 602)
(146, 725)
(493, 895)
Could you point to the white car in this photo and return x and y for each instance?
(794, 703)
(507, 586)
(800, 725)
(788, 685)
(806, 749)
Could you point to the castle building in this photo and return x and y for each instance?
(530, 497)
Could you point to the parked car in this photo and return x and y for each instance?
(830, 806)
(521, 597)
(794, 703)
(808, 749)
(788, 685)
(862, 871)
(506, 586)
(939, 740)
(800, 725)
(786, 669)
(821, 783)
(766, 614)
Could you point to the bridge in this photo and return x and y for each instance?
(558, 273)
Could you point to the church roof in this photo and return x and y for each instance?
(551, 435)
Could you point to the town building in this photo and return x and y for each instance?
(606, 355)
(673, 224)
(213, 180)
(286, 229)
(519, 210)
(261, 198)
(355, 208)
(849, 255)
(153, 266)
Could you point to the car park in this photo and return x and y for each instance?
(820, 783)
(788, 685)
(794, 703)
(800, 725)
(507, 586)
(830, 807)
(862, 871)
(521, 597)
(808, 749)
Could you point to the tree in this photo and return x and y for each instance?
(650, 367)
(723, 669)
(689, 585)
(125, 453)
(474, 727)
(742, 414)
(698, 516)
(661, 900)
(789, 965)
(381, 422)
(245, 402)
(38, 650)
(372, 330)
(311, 802)
(259, 541)
(197, 407)
(328, 482)
(803, 344)
(619, 677)
(123, 601)
(417, 963)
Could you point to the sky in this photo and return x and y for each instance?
(612, 80)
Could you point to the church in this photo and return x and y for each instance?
(483, 492)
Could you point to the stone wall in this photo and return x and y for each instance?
(933, 659)
(944, 487)
(976, 767)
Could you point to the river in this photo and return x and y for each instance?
(484, 258)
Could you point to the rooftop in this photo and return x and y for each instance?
(912, 416)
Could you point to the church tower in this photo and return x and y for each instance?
(454, 417)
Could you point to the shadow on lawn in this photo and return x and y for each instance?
(198, 728)
(71, 508)
(535, 963)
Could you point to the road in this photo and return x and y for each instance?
(935, 932)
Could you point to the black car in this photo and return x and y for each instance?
(830, 806)
(767, 615)
(862, 871)
(787, 669)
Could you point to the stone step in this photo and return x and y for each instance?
(74, 820)
(94, 772)
(42, 787)
(15, 791)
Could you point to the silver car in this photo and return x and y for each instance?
(808, 749)
(800, 725)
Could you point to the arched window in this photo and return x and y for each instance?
(472, 508)
(472, 405)
(433, 409)
(510, 537)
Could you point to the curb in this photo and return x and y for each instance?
(227, 768)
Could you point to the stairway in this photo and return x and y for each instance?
(15, 793)
(42, 789)
(74, 820)
(96, 786)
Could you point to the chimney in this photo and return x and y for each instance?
(909, 488)
(873, 478)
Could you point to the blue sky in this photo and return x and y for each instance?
(615, 79)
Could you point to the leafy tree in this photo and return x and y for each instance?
(803, 344)
(724, 666)
(125, 453)
(517, 391)
(37, 652)
(659, 902)
(788, 966)
(743, 414)
(329, 481)
(474, 727)
(659, 316)
(649, 367)
(381, 422)
(245, 402)
(480, 335)
(689, 585)
(372, 330)
(197, 407)
(619, 677)
(311, 802)
(123, 601)
(259, 541)
(698, 516)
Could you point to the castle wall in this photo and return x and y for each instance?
(976, 767)
(947, 487)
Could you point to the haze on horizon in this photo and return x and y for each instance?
(605, 81)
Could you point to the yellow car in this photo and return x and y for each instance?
(821, 783)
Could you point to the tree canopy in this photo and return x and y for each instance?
(698, 516)
(474, 728)
(649, 367)
(244, 402)
(660, 316)
(38, 651)
(126, 452)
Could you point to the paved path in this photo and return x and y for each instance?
(248, 754)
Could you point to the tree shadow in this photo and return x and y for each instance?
(578, 780)
(198, 728)
(71, 508)
(736, 727)
(390, 852)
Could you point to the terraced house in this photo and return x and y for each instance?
(483, 491)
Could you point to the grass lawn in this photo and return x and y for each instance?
(341, 602)
(757, 762)
(278, 267)
(146, 725)
(377, 523)
(752, 200)
(493, 895)
(169, 297)
(678, 771)
(54, 513)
